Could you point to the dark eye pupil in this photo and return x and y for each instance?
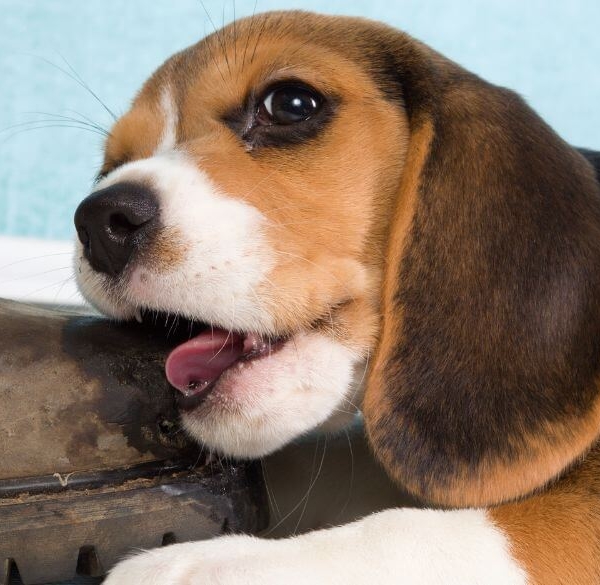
(289, 105)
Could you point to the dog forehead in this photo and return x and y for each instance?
(342, 52)
(192, 90)
(287, 32)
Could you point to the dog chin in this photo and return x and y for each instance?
(257, 407)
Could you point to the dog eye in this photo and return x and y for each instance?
(289, 104)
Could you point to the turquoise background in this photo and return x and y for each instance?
(548, 51)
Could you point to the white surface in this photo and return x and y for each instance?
(35, 270)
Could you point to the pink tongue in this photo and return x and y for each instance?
(195, 364)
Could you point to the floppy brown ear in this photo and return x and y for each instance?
(485, 382)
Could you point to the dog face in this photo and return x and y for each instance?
(247, 188)
(327, 194)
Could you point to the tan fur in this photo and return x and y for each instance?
(166, 251)
(542, 462)
(376, 404)
(134, 136)
(555, 535)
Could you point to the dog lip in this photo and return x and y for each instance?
(256, 346)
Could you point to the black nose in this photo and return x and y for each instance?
(113, 222)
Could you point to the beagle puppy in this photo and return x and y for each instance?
(343, 219)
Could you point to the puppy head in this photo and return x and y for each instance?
(249, 188)
(272, 180)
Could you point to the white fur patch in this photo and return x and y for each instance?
(170, 115)
(259, 406)
(404, 546)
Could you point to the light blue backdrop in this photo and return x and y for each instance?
(548, 51)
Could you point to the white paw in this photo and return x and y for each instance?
(230, 560)
(407, 547)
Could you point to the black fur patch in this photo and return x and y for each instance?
(499, 285)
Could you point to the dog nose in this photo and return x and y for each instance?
(113, 222)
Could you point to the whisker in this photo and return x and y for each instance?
(235, 38)
(270, 492)
(30, 258)
(199, 457)
(57, 294)
(258, 38)
(308, 491)
(17, 278)
(84, 84)
(229, 332)
(351, 486)
(47, 287)
(85, 121)
(250, 30)
(209, 43)
(57, 119)
(310, 488)
(88, 119)
(222, 32)
(365, 369)
(217, 34)
(46, 126)
(173, 325)
(77, 79)
(352, 404)
(342, 411)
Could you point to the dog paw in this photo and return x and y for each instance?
(152, 567)
(230, 560)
